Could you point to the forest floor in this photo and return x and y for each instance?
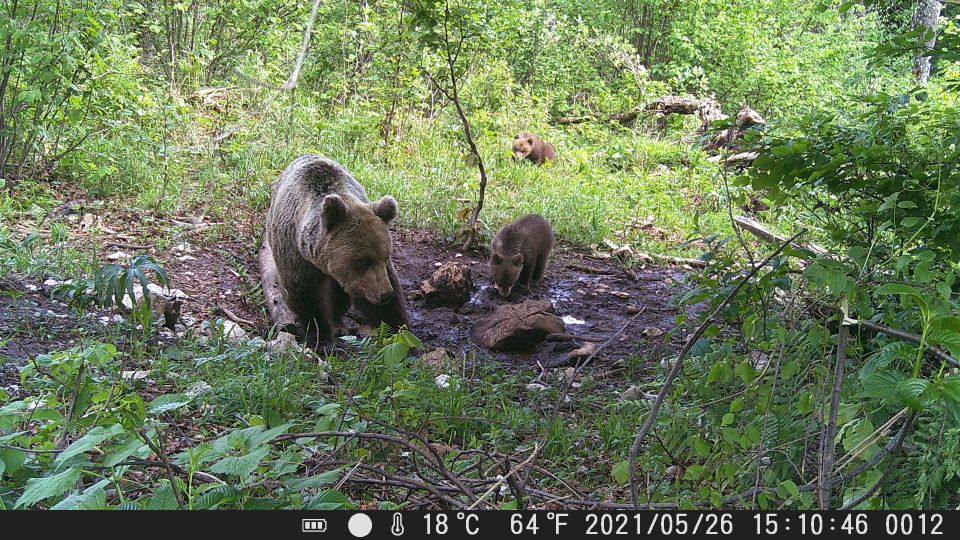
(593, 291)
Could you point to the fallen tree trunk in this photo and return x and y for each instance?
(764, 233)
(623, 118)
(283, 319)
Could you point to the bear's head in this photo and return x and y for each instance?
(522, 145)
(354, 246)
(505, 271)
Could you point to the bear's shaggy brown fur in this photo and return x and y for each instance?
(332, 247)
(518, 254)
(526, 145)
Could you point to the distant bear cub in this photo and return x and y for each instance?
(332, 247)
(518, 254)
(526, 145)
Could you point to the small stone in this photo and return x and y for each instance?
(442, 381)
(587, 350)
(134, 375)
(632, 310)
(435, 358)
(232, 330)
(634, 393)
(198, 388)
(118, 256)
(569, 319)
(652, 332)
(283, 341)
(537, 387)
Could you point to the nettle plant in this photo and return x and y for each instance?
(880, 184)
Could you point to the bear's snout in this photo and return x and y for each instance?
(388, 296)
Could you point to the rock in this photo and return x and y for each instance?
(537, 387)
(450, 286)
(165, 303)
(586, 351)
(570, 319)
(199, 388)
(119, 256)
(436, 358)
(634, 393)
(652, 332)
(518, 326)
(632, 310)
(134, 375)
(284, 341)
(442, 381)
(232, 330)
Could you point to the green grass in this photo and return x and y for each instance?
(605, 177)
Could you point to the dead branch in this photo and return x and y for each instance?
(761, 231)
(886, 472)
(233, 316)
(678, 364)
(827, 443)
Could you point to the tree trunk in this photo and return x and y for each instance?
(926, 14)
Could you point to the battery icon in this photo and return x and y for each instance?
(313, 525)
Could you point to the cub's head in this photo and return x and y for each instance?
(505, 271)
(522, 145)
(355, 246)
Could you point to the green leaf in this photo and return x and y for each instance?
(329, 499)
(315, 481)
(131, 446)
(621, 472)
(92, 498)
(39, 489)
(882, 384)
(394, 353)
(241, 466)
(94, 437)
(791, 488)
(727, 419)
(166, 403)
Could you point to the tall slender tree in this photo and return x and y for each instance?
(926, 15)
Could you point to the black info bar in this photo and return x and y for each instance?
(456, 524)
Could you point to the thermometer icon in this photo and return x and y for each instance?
(397, 527)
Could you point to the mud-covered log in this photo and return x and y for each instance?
(282, 317)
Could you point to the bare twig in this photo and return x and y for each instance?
(886, 472)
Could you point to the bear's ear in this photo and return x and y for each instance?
(385, 208)
(517, 259)
(530, 140)
(333, 211)
(496, 258)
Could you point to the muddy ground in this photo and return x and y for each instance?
(592, 290)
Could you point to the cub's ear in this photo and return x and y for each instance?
(530, 140)
(385, 208)
(333, 211)
(517, 259)
(496, 258)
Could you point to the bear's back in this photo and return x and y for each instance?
(318, 176)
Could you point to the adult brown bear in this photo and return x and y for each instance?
(332, 247)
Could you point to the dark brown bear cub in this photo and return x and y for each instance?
(518, 254)
(332, 248)
(526, 145)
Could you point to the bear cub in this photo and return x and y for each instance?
(528, 146)
(332, 249)
(518, 254)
